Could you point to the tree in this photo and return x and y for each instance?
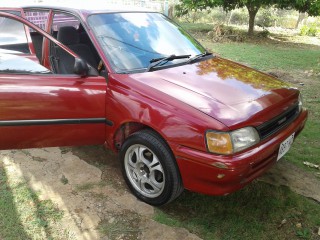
(252, 6)
(302, 16)
(312, 7)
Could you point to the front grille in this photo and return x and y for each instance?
(274, 125)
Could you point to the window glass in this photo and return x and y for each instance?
(132, 40)
(13, 36)
(38, 18)
(20, 65)
(61, 19)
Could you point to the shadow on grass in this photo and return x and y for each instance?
(22, 214)
(259, 211)
(201, 30)
(10, 222)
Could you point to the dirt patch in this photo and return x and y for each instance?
(93, 198)
(287, 174)
(105, 160)
(124, 225)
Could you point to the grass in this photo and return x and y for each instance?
(124, 225)
(269, 56)
(198, 27)
(22, 214)
(260, 211)
(89, 186)
(306, 147)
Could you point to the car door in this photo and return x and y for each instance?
(39, 108)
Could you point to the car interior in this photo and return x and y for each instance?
(37, 40)
(67, 29)
(69, 36)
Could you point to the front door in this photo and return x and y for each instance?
(39, 108)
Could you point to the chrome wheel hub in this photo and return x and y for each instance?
(144, 171)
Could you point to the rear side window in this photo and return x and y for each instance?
(38, 18)
(13, 36)
(61, 20)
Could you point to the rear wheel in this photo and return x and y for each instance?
(150, 169)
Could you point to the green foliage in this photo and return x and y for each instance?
(312, 7)
(239, 16)
(303, 233)
(304, 30)
(312, 30)
(226, 4)
(253, 7)
(266, 18)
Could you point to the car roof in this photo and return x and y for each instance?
(86, 7)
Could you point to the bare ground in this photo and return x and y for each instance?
(94, 199)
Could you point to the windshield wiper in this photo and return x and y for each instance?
(156, 61)
(201, 55)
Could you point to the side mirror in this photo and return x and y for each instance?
(80, 67)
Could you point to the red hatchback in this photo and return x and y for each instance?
(179, 116)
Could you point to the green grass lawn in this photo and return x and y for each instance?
(269, 56)
(260, 210)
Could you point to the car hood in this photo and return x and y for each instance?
(225, 90)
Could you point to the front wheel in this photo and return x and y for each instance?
(150, 169)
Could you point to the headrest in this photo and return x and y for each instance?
(68, 35)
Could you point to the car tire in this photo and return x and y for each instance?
(150, 169)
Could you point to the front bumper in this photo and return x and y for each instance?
(220, 175)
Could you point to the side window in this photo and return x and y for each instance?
(13, 49)
(68, 30)
(62, 20)
(13, 36)
(16, 64)
(38, 18)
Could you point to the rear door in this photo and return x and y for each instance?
(39, 108)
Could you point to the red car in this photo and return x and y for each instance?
(179, 116)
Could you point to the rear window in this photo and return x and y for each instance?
(13, 36)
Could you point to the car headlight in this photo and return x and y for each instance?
(300, 102)
(231, 142)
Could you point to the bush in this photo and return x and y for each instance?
(304, 30)
(216, 15)
(312, 30)
(239, 17)
(264, 34)
(266, 18)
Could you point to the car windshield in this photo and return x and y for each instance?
(132, 41)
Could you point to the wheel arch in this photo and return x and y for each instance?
(128, 128)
